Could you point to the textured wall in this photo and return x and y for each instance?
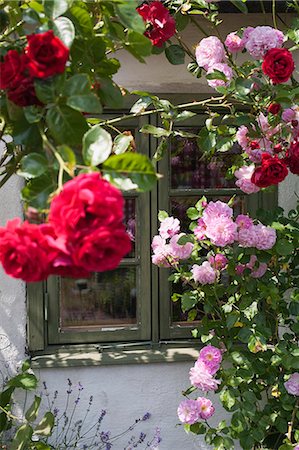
(126, 391)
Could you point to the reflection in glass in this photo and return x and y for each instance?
(189, 170)
(130, 222)
(106, 299)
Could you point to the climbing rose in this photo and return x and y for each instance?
(272, 171)
(23, 94)
(244, 182)
(244, 221)
(261, 39)
(204, 274)
(24, 251)
(162, 24)
(205, 408)
(247, 237)
(292, 385)
(201, 377)
(161, 256)
(212, 358)
(10, 69)
(209, 51)
(47, 54)
(225, 69)
(292, 157)
(218, 261)
(278, 64)
(84, 204)
(180, 251)
(221, 231)
(188, 411)
(241, 136)
(169, 227)
(265, 237)
(216, 209)
(234, 43)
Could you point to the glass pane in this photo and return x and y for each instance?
(179, 206)
(189, 170)
(106, 299)
(130, 222)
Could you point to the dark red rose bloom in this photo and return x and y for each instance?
(161, 23)
(47, 54)
(11, 68)
(292, 157)
(24, 251)
(272, 171)
(23, 94)
(274, 108)
(84, 204)
(278, 64)
(103, 249)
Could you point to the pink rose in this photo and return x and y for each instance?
(212, 358)
(209, 51)
(244, 182)
(201, 377)
(225, 69)
(261, 39)
(234, 43)
(169, 227)
(219, 261)
(265, 237)
(292, 385)
(188, 411)
(179, 251)
(221, 231)
(204, 274)
(205, 407)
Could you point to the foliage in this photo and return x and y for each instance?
(58, 430)
(251, 315)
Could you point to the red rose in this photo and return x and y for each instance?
(274, 108)
(272, 171)
(47, 54)
(292, 157)
(103, 249)
(278, 64)
(24, 251)
(23, 94)
(161, 23)
(84, 204)
(11, 68)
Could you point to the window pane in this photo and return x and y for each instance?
(106, 299)
(188, 170)
(130, 222)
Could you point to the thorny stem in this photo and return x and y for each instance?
(291, 423)
(11, 30)
(182, 106)
(185, 47)
(9, 414)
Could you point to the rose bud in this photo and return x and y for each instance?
(254, 145)
(274, 108)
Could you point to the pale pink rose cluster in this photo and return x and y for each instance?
(210, 54)
(260, 39)
(166, 249)
(191, 411)
(257, 271)
(292, 385)
(234, 43)
(217, 224)
(208, 271)
(257, 236)
(202, 377)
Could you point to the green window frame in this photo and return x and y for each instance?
(154, 337)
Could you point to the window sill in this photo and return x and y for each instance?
(93, 355)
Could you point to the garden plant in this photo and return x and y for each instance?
(235, 275)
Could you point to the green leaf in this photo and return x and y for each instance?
(25, 381)
(198, 428)
(77, 85)
(231, 319)
(193, 213)
(26, 365)
(36, 192)
(32, 412)
(241, 5)
(97, 146)
(110, 94)
(66, 125)
(184, 115)
(33, 114)
(55, 8)
(162, 215)
(156, 131)
(216, 75)
(227, 398)
(206, 140)
(22, 438)
(65, 30)
(26, 134)
(67, 155)
(81, 19)
(243, 86)
(32, 165)
(129, 17)
(46, 89)
(41, 446)
(87, 103)
(284, 247)
(189, 300)
(138, 44)
(257, 343)
(175, 54)
(134, 167)
(121, 143)
(185, 239)
(141, 105)
(45, 426)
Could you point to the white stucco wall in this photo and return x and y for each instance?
(126, 391)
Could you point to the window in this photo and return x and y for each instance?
(130, 307)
